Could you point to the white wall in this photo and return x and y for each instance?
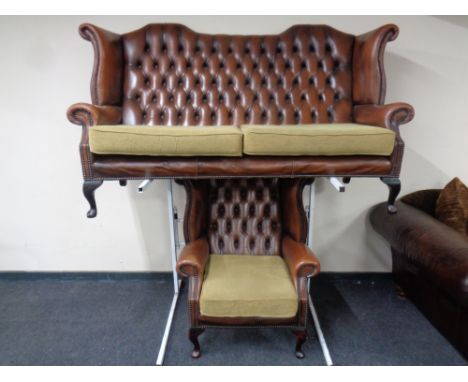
(45, 67)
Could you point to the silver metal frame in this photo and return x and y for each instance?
(310, 239)
(339, 186)
(167, 330)
(172, 217)
(173, 220)
(143, 185)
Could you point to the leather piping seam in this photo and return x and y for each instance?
(282, 176)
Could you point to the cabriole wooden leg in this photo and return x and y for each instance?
(89, 186)
(301, 336)
(193, 336)
(394, 186)
(400, 292)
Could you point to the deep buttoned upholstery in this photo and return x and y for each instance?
(174, 76)
(170, 75)
(244, 217)
(167, 74)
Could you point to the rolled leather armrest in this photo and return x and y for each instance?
(84, 114)
(193, 258)
(432, 245)
(390, 116)
(299, 258)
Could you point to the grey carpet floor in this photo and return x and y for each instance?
(366, 323)
(119, 320)
(82, 322)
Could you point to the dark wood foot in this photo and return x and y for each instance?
(193, 337)
(400, 292)
(394, 186)
(89, 186)
(346, 179)
(123, 182)
(301, 336)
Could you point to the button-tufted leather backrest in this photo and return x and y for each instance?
(175, 76)
(244, 216)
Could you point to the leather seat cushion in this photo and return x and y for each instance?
(248, 286)
(318, 139)
(166, 140)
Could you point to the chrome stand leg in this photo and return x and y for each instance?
(172, 233)
(167, 330)
(318, 329)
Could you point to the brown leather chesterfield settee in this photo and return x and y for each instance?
(167, 74)
(430, 263)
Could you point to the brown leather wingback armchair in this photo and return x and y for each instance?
(167, 74)
(245, 257)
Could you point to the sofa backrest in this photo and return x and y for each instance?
(173, 75)
(167, 74)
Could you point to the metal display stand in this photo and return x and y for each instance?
(310, 239)
(173, 221)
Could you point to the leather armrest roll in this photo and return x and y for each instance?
(193, 258)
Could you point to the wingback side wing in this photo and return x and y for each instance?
(106, 82)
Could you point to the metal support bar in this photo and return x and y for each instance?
(310, 240)
(172, 234)
(143, 185)
(310, 212)
(167, 330)
(174, 238)
(337, 184)
(318, 329)
(178, 244)
(175, 221)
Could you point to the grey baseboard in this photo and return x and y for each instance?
(76, 276)
(114, 276)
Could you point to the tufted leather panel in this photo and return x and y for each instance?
(244, 217)
(175, 76)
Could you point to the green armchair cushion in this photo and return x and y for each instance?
(248, 286)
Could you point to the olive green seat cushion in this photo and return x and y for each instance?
(318, 139)
(248, 286)
(166, 140)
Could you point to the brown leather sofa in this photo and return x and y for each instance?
(430, 263)
(167, 74)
